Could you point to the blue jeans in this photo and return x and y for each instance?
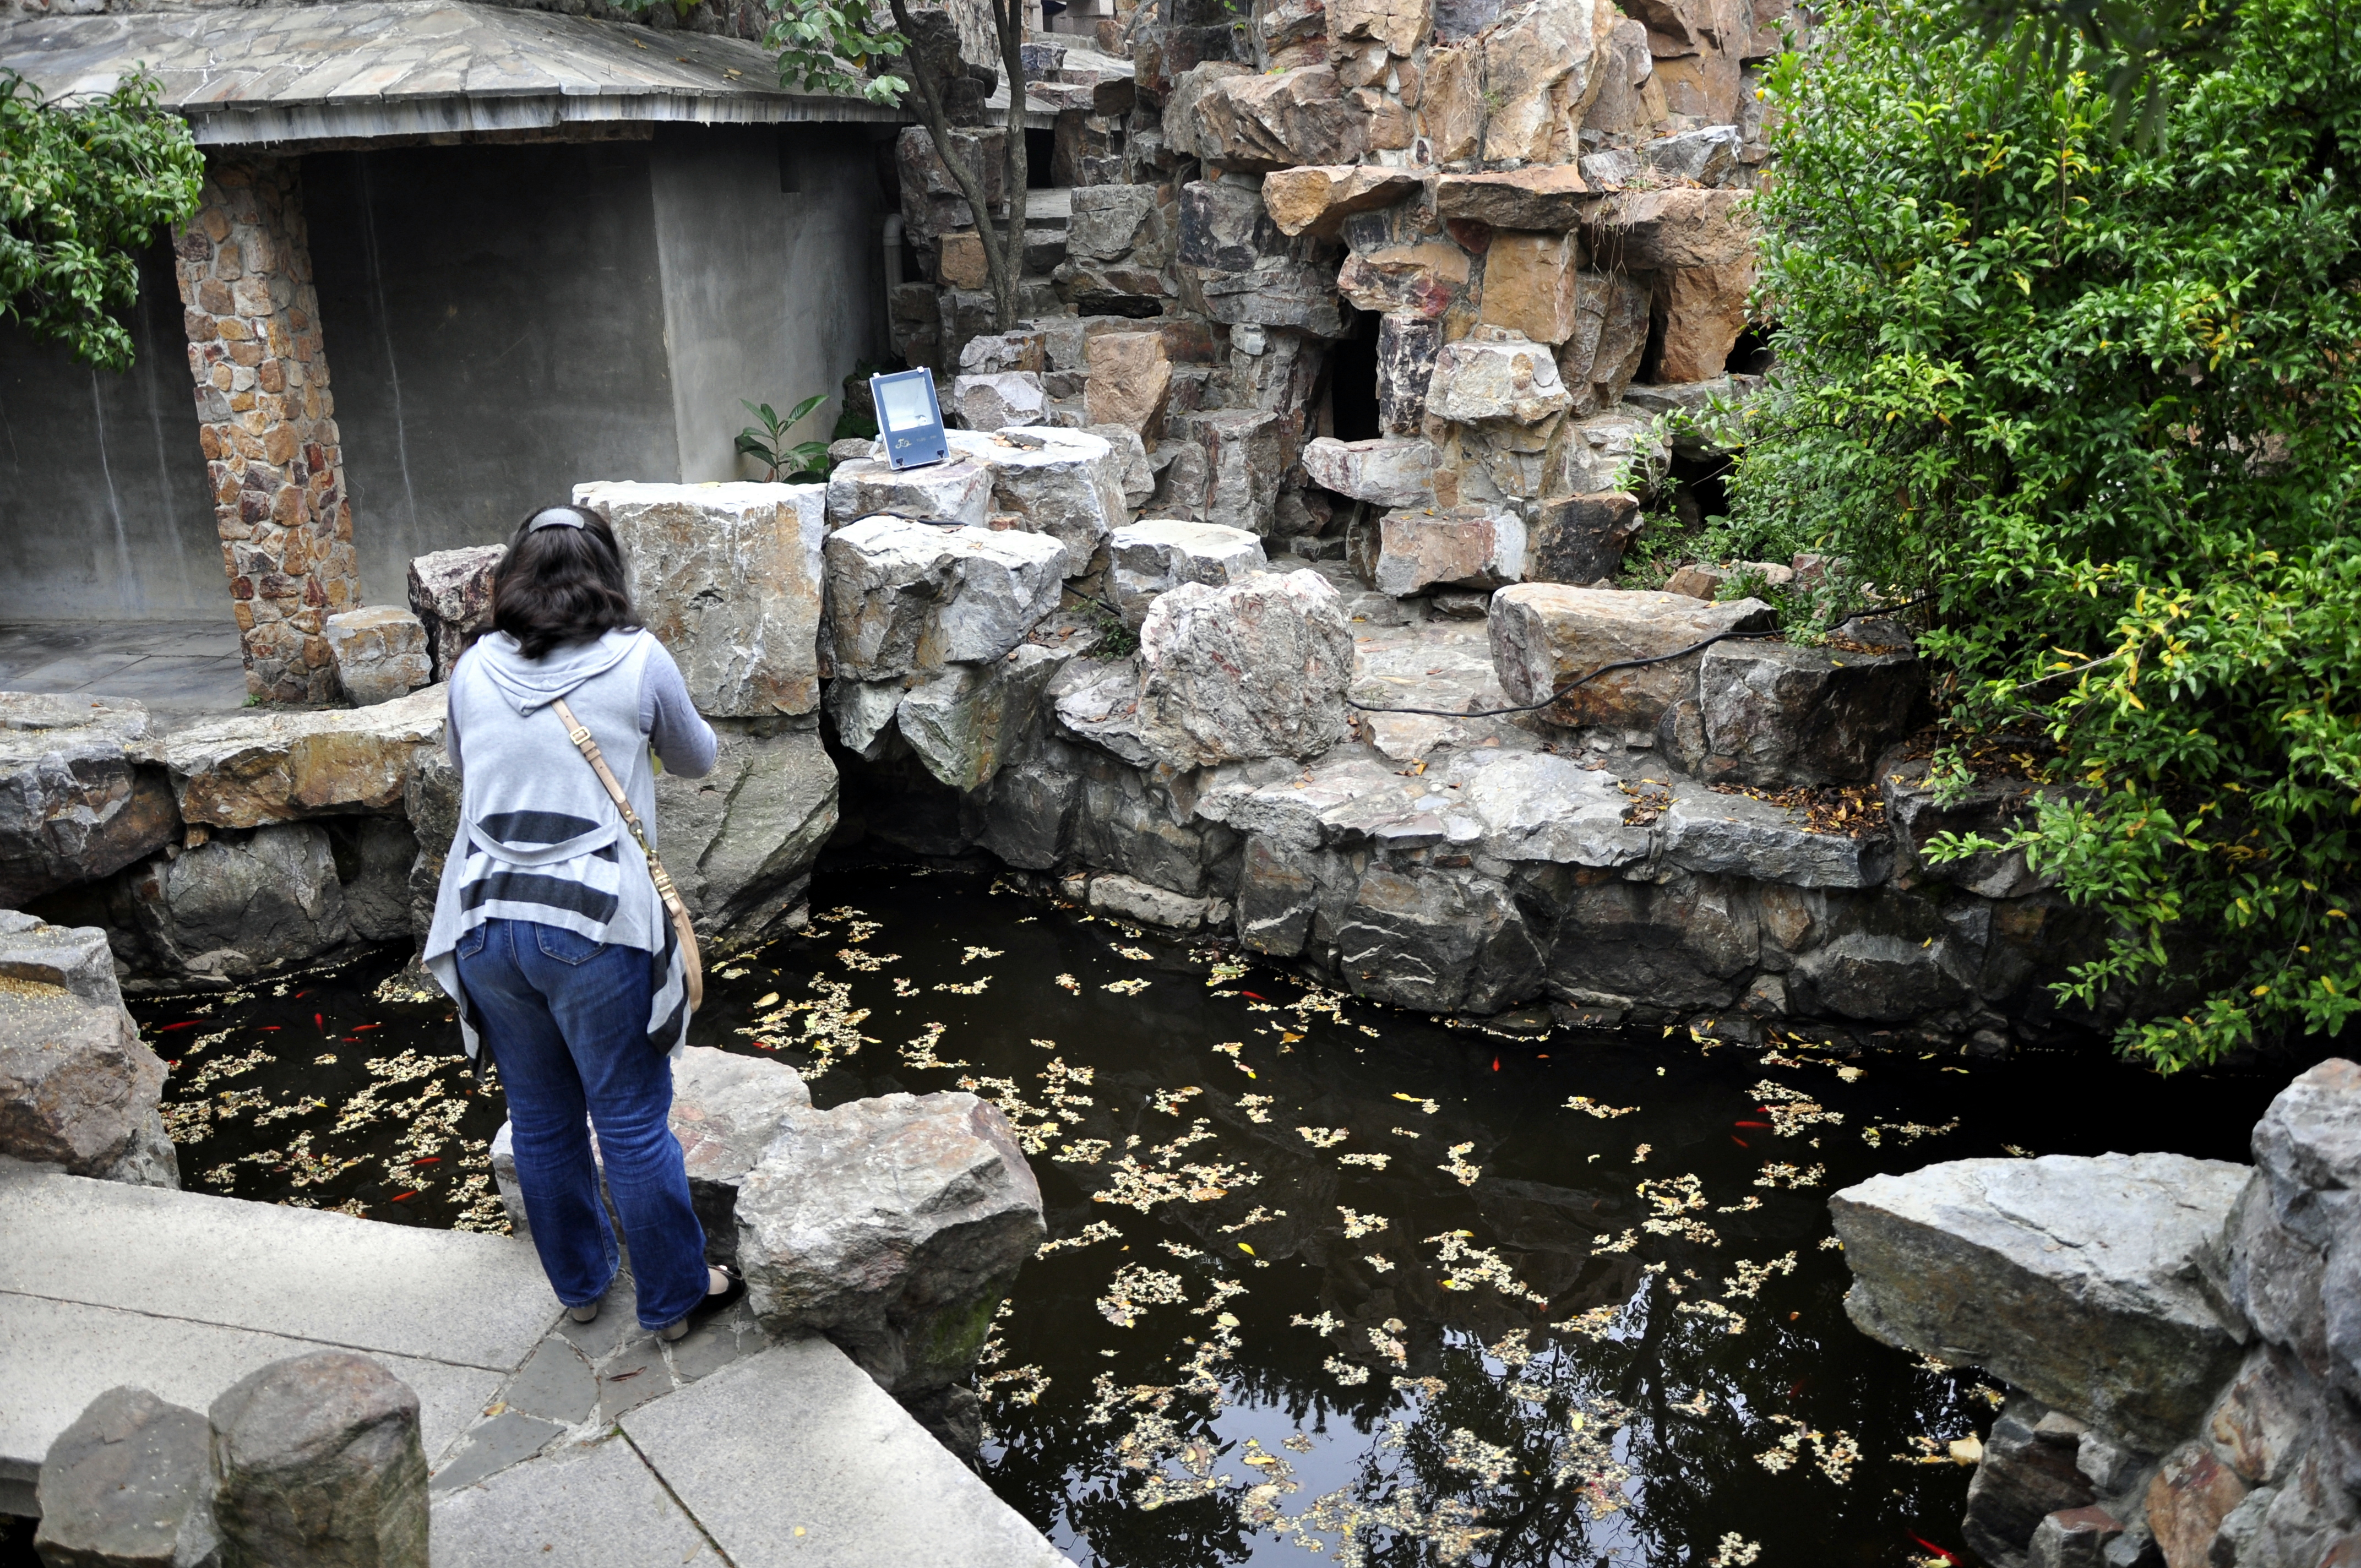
(567, 1021)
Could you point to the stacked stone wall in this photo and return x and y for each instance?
(267, 422)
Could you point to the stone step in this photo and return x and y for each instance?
(104, 1285)
(796, 1455)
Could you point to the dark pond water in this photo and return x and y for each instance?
(1325, 1277)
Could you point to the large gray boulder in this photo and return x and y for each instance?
(728, 578)
(128, 1485)
(1067, 485)
(2077, 1279)
(726, 1109)
(1916, 811)
(238, 905)
(959, 491)
(1440, 942)
(1546, 634)
(1579, 538)
(451, 594)
(894, 1226)
(1776, 713)
(1256, 669)
(75, 804)
(259, 768)
(966, 721)
(1155, 555)
(319, 1465)
(1097, 702)
(1246, 457)
(908, 597)
(79, 1089)
(2295, 1239)
(1389, 471)
(739, 842)
(73, 958)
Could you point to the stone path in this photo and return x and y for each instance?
(179, 669)
(555, 1443)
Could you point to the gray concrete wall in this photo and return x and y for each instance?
(103, 513)
(495, 329)
(773, 284)
(501, 322)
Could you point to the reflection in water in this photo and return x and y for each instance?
(1323, 1277)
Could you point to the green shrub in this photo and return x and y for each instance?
(2095, 394)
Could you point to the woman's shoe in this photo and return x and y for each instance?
(733, 1287)
(584, 1313)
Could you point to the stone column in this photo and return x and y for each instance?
(267, 422)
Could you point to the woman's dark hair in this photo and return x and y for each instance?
(560, 582)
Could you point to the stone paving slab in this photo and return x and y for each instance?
(599, 1509)
(796, 1455)
(446, 1296)
(57, 1357)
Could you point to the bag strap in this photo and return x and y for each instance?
(579, 733)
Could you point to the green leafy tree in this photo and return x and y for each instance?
(2096, 397)
(85, 183)
(841, 46)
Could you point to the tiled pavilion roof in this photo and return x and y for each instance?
(372, 70)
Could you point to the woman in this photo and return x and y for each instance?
(548, 931)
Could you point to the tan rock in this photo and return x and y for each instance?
(1549, 196)
(1294, 118)
(1538, 80)
(1400, 25)
(1185, 128)
(1390, 127)
(1451, 104)
(254, 769)
(2187, 1503)
(1495, 374)
(1704, 310)
(959, 258)
(1131, 378)
(1697, 581)
(1359, 65)
(1318, 197)
(1466, 547)
(1629, 99)
(1530, 284)
(1642, 231)
(1544, 635)
(1703, 86)
(380, 652)
(1422, 278)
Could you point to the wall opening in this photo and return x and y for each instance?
(1353, 381)
(1041, 155)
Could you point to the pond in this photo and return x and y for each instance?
(1323, 1277)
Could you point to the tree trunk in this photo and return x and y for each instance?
(1004, 248)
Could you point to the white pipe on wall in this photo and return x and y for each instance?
(891, 242)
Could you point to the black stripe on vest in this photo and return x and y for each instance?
(552, 893)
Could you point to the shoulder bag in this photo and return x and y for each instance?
(692, 966)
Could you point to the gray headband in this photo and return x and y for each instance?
(555, 517)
